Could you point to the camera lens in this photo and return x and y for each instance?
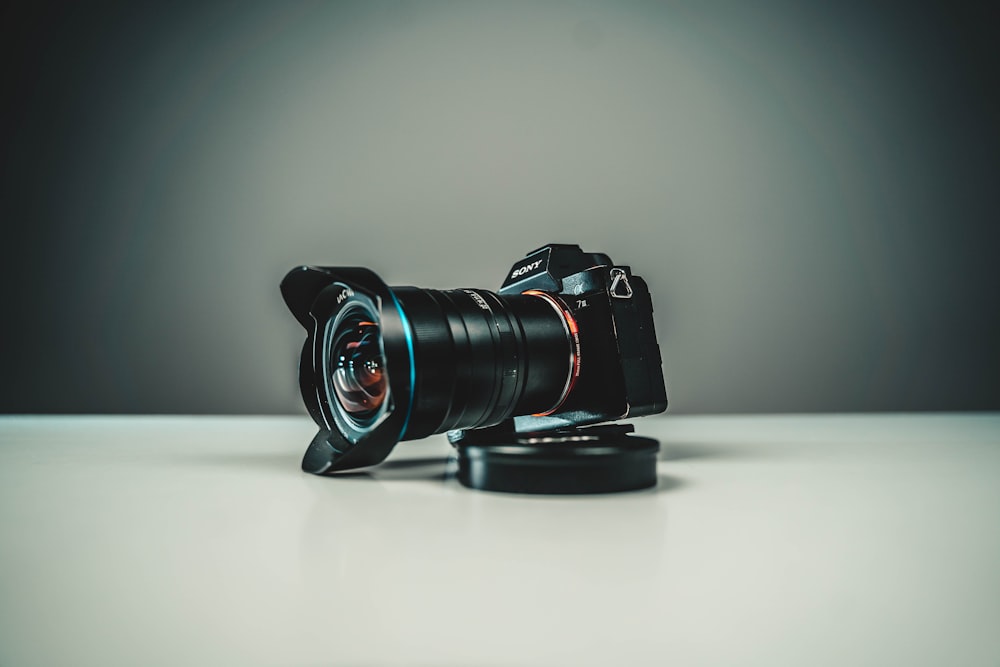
(383, 364)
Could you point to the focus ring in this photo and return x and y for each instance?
(433, 351)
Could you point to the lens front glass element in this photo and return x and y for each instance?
(357, 365)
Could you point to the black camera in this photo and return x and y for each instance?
(566, 342)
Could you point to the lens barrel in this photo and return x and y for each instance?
(481, 358)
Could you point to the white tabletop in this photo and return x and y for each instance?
(833, 540)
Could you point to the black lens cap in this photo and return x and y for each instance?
(597, 459)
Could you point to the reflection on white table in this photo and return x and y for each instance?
(786, 540)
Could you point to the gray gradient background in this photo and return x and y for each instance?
(810, 193)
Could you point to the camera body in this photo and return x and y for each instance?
(567, 341)
(620, 370)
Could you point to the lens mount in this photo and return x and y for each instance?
(573, 334)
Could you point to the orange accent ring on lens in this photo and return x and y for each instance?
(573, 331)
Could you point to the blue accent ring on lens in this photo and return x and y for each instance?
(413, 366)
